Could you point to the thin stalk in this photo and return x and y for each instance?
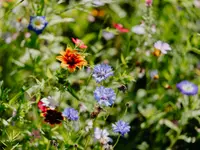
(48, 145)
(117, 141)
(86, 143)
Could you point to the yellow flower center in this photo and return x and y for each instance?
(37, 23)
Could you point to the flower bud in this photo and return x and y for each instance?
(149, 3)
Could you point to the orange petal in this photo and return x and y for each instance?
(60, 58)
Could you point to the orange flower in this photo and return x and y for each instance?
(71, 59)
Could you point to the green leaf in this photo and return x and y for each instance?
(169, 124)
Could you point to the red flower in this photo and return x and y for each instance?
(41, 106)
(71, 59)
(120, 28)
(79, 43)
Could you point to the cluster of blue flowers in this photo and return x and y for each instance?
(104, 96)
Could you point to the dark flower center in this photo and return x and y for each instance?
(53, 117)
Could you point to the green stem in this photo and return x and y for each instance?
(125, 111)
(108, 114)
(48, 145)
(15, 98)
(86, 143)
(190, 102)
(79, 137)
(117, 141)
(174, 140)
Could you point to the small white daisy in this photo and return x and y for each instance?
(138, 29)
(163, 47)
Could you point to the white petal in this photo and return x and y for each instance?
(163, 51)
(138, 29)
(158, 45)
(166, 46)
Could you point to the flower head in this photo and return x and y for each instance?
(102, 136)
(49, 102)
(120, 28)
(71, 59)
(107, 35)
(197, 3)
(41, 106)
(101, 72)
(162, 47)
(148, 3)
(53, 117)
(89, 126)
(187, 88)
(104, 96)
(98, 3)
(121, 127)
(37, 24)
(70, 114)
(138, 29)
(82, 107)
(154, 74)
(79, 43)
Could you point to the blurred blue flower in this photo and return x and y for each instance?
(107, 35)
(37, 24)
(187, 88)
(121, 127)
(70, 114)
(104, 96)
(101, 72)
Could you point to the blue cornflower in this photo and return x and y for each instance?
(37, 24)
(187, 88)
(101, 72)
(70, 114)
(104, 96)
(121, 127)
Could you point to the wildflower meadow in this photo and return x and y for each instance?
(99, 74)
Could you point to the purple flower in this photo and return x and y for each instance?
(104, 96)
(70, 114)
(187, 88)
(101, 72)
(37, 24)
(121, 127)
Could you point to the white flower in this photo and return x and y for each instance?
(163, 47)
(138, 29)
(197, 3)
(154, 74)
(49, 102)
(98, 3)
(153, 29)
(102, 136)
(89, 126)
(82, 107)
(107, 35)
(38, 23)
